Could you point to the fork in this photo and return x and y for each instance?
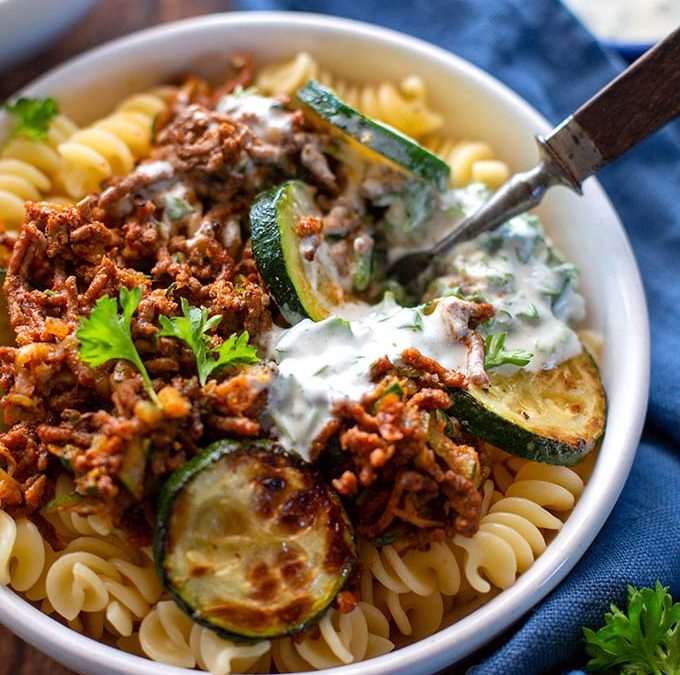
(642, 99)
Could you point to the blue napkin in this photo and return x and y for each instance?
(541, 51)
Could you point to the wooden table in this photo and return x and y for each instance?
(108, 20)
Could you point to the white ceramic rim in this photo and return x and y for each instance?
(468, 634)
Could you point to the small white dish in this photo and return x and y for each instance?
(28, 25)
(585, 228)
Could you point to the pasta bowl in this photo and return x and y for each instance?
(476, 106)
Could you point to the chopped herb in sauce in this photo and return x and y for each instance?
(496, 355)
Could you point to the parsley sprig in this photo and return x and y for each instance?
(105, 334)
(644, 639)
(496, 355)
(32, 116)
(192, 328)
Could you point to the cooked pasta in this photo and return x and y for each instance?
(164, 635)
(223, 657)
(470, 161)
(30, 169)
(22, 553)
(419, 572)
(69, 524)
(413, 615)
(169, 636)
(342, 638)
(112, 145)
(102, 575)
(403, 105)
(509, 538)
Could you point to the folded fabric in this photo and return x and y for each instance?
(542, 52)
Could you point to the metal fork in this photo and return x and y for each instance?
(642, 99)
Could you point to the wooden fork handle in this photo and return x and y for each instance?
(642, 99)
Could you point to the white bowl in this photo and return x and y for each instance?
(28, 25)
(586, 229)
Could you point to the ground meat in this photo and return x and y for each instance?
(200, 139)
(405, 465)
(66, 258)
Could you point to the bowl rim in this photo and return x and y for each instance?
(431, 653)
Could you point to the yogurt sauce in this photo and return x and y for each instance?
(322, 362)
(532, 290)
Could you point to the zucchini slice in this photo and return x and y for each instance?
(250, 542)
(327, 109)
(554, 416)
(302, 289)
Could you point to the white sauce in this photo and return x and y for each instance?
(628, 20)
(266, 117)
(324, 362)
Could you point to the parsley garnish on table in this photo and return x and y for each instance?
(192, 328)
(105, 334)
(643, 639)
(496, 355)
(32, 116)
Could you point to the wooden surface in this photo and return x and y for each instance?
(107, 20)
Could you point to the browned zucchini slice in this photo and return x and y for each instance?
(250, 542)
(555, 416)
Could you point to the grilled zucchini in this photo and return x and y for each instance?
(250, 542)
(367, 134)
(302, 289)
(554, 416)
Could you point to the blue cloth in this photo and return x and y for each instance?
(539, 50)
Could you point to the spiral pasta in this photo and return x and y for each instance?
(342, 638)
(223, 657)
(403, 105)
(164, 635)
(419, 572)
(30, 169)
(69, 524)
(22, 553)
(111, 146)
(93, 575)
(470, 161)
(413, 615)
(167, 635)
(509, 536)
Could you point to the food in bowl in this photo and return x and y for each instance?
(210, 358)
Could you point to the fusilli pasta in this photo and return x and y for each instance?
(342, 638)
(30, 169)
(415, 616)
(470, 162)
(403, 105)
(419, 572)
(111, 146)
(164, 635)
(69, 524)
(509, 538)
(167, 635)
(94, 575)
(22, 553)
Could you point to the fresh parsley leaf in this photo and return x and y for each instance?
(496, 355)
(177, 208)
(645, 639)
(192, 328)
(32, 116)
(105, 334)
